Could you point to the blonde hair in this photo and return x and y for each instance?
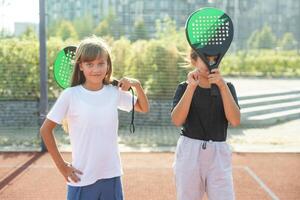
(89, 49)
(188, 57)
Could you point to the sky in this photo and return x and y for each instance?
(18, 11)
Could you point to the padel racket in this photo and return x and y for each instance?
(209, 32)
(64, 66)
(63, 70)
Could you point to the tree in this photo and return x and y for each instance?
(288, 42)
(140, 31)
(120, 56)
(5, 33)
(52, 29)
(264, 39)
(66, 30)
(29, 34)
(161, 61)
(166, 31)
(84, 26)
(165, 28)
(137, 66)
(103, 29)
(109, 26)
(253, 39)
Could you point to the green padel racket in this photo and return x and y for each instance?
(64, 66)
(209, 32)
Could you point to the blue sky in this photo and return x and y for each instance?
(18, 11)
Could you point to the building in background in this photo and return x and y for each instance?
(127, 11)
(72, 9)
(251, 15)
(150, 11)
(247, 15)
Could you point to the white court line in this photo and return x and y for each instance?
(261, 183)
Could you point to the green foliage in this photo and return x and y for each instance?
(262, 63)
(103, 29)
(288, 42)
(252, 42)
(120, 57)
(18, 68)
(66, 30)
(51, 29)
(140, 31)
(109, 26)
(165, 28)
(156, 63)
(137, 66)
(29, 34)
(263, 39)
(4, 33)
(162, 60)
(84, 26)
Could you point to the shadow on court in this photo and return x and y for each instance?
(149, 176)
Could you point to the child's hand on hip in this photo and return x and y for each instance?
(70, 173)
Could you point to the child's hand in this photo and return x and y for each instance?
(126, 83)
(70, 173)
(193, 78)
(216, 78)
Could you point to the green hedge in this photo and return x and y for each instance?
(156, 63)
(263, 63)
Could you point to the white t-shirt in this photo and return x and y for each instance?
(92, 118)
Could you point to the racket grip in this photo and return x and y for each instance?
(115, 82)
(214, 90)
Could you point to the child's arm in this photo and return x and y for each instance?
(65, 168)
(232, 111)
(142, 104)
(181, 110)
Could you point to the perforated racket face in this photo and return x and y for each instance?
(209, 31)
(63, 66)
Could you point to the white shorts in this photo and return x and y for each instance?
(199, 170)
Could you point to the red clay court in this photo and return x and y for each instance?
(149, 176)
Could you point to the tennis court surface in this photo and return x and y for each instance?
(149, 176)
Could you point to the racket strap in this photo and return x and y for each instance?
(132, 127)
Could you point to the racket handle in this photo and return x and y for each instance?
(214, 91)
(115, 82)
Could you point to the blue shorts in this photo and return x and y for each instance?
(103, 189)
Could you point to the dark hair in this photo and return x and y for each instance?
(90, 49)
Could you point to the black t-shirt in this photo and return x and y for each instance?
(206, 118)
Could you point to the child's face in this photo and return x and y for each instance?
(95, 71)
(201, 66)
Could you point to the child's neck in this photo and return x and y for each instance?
(92, 87)
(203, 82)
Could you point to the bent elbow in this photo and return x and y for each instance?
(176, 123)
(235, 123)
(146, 110)
(42, 132)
